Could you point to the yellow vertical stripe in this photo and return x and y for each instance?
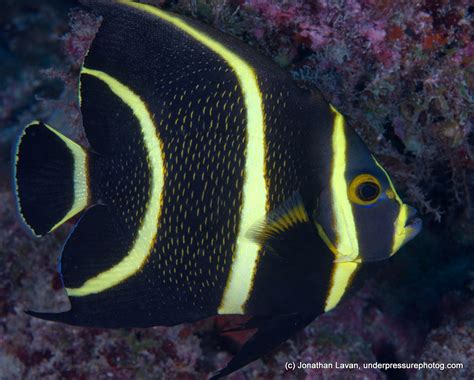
(346, 242)
(400, 231)
(146, 235)
(80, 177)
(340, 280)
(397, 197)
(346, 245)
(239, 283)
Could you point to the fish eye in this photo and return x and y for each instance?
(364, 189)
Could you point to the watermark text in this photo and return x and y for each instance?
(440, 366)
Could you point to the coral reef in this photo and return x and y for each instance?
(402, 72)
(453, 340)
(363, 55)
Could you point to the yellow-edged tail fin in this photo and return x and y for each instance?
(51, 179)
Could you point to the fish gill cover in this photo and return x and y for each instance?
(402, 73)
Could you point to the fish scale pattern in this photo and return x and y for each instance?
(203, 127)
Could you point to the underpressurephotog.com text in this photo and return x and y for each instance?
(290, 366)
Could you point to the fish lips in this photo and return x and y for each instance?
(413, 224)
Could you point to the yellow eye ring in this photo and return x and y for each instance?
(364, 190)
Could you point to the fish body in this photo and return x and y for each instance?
(214, 185)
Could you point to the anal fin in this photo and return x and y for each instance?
(110, 285)
(97, 244)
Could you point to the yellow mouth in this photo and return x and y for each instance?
(407, 226)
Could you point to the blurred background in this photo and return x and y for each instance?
(403, 74)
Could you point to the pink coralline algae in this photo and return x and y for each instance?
(453, 340)
(75, 44)
(402, 72)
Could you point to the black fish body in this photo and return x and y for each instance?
(202, 191)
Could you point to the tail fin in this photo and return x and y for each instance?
(51, 178)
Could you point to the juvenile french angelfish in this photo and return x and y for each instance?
(213, 185)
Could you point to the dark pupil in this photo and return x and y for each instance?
(368, 191)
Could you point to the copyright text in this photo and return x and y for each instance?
(290, 366)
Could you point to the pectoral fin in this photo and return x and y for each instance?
(280, 220)
(283, 228)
